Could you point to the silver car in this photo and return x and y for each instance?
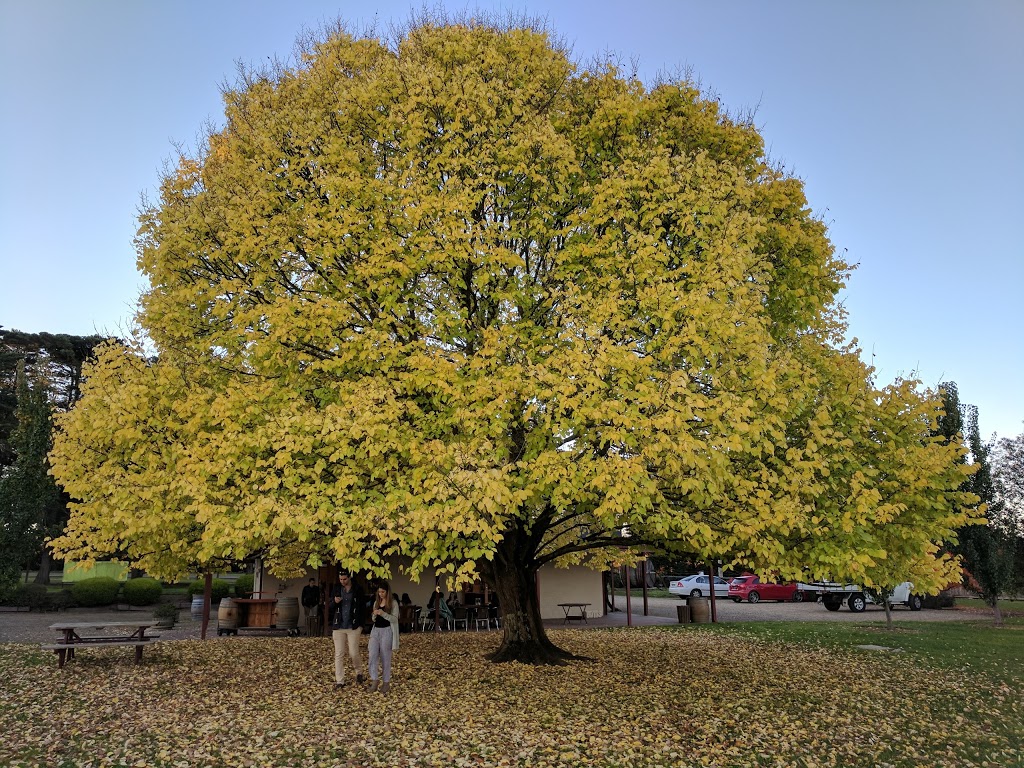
(698, 586)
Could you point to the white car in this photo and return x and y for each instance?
(698, 586)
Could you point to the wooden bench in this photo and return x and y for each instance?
(65, 651)
(107, 639)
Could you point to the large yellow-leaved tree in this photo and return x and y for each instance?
(454, 298)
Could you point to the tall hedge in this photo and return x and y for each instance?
(219, 589)
(100, 590)
(144, 591)
(243, 585)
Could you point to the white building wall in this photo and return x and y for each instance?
(575, 584)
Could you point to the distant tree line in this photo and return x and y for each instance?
(992, 554)
(40, 375)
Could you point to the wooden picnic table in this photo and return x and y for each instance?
(574, 611)
(74, 636)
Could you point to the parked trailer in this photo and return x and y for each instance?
(834, 594)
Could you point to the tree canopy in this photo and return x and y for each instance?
(39, 373)
(457, 298)
(1008, 471)
(30, 502)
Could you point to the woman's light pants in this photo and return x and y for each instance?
(380, 650)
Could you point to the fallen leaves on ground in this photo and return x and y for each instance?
(646, 697)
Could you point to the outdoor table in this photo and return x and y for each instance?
(72, 637)
(574, 611)
(255, 612)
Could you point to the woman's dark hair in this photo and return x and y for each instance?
(387, 588)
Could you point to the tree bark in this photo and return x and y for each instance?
(887, 608)
(525, 639)
(45, 564)
(997, 615)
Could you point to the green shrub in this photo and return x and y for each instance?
(166, 612)
(219, 589)
(61, 601)
(31, 596)
(9, 575)
(100, 590)
(243, 585)
(144, 591)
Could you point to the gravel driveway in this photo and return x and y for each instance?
(34, 627)
(728, 611)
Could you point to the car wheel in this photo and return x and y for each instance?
(695, 593)
(857, 602)
(753, 597)
(832, 605)
(798, 596)
(736, 600)
(915, 602)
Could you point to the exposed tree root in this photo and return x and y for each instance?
(537, 651)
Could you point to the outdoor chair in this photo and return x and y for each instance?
(406, 618)
(460, 615)
(480, 617)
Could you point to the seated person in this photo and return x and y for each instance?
(434, 597)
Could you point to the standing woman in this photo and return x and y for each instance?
(383, 636)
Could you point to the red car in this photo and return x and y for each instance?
(753, 590)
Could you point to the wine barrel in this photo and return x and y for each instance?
(700, 610)
(286, 613)
(227, 616)
(197, 607)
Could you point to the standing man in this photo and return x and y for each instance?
(311, 602)
(347, 605)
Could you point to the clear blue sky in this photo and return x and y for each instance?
(905, 120)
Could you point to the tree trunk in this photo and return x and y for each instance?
(45, 564)
(888, 609)
(997, 615)
(525, 639)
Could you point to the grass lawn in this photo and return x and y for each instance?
(755, 695)
(973, 646)
(1008, 606)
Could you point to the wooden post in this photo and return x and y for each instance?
(437, 604)
(629, 603)
(207, 596)
(644, 582)
(711, 584)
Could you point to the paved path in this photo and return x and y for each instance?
(26, 627)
